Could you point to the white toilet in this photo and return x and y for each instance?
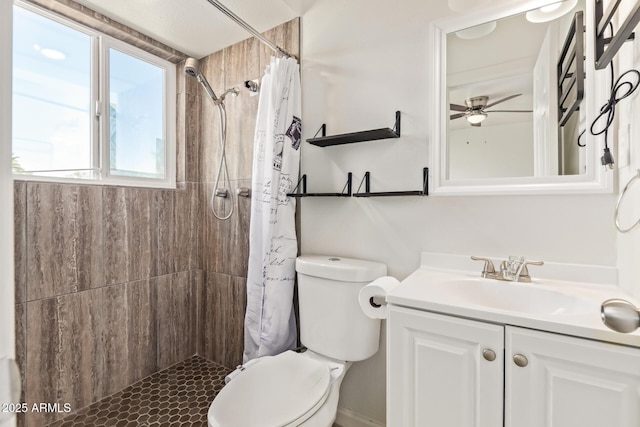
(302, 389)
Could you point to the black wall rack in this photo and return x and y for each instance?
(603, 18)
(348, 138)
(301, 188)
(368, 193)
(571, 70)
(346, 190)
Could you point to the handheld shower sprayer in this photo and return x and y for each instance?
(192, 68)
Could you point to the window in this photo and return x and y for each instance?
(87, 106)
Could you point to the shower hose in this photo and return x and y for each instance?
(222, 173)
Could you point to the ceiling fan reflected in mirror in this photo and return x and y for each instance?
(475, 110)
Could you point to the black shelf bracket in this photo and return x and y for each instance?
(603, 18)
(366, 180)
(349, 138)
(301, 189)
(322, 131)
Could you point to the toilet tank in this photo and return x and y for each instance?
(331, 320)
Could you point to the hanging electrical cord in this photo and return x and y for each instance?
(608, 110)
(619, 90)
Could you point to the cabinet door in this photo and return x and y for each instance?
(569, 382)
(436, 373)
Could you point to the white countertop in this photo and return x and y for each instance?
(560, 306)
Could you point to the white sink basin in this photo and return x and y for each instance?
(513, 296)
(566, 300)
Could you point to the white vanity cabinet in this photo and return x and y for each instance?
(569, 381)
(440, 374)
(436, 373)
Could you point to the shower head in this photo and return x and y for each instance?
(191, 67)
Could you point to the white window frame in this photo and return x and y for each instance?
(99, 112)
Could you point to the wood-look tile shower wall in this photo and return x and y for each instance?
(225, 244)
(106, 281)
(115, 283)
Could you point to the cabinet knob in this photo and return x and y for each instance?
(489, 354)
(520, 360)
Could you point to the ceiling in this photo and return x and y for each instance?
(196, 27)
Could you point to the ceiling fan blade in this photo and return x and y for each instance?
(509, 111)
(456, 107)
(456, 116)
(502, 100)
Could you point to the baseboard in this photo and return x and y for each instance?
(347, 418)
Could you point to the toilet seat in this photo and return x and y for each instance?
(279, 391)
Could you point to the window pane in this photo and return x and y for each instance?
(136, 106)
(51, 96)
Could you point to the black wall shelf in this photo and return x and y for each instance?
(349, 138)
(301, 188)
(302, 182)
(368, 193)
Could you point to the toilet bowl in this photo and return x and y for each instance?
(287, 390)
(302, 389)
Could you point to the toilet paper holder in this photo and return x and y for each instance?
(373, 297)
(377, 301)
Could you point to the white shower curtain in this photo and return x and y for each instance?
(269, 326)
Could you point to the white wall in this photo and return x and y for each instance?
(491, 151)
(628, 163)
(361, 61)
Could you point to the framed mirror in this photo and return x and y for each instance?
(511, 104)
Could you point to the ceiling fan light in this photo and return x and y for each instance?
(550, 12)
(476, 117)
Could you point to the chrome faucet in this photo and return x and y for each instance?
(513, 269)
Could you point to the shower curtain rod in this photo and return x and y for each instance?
(235, 18)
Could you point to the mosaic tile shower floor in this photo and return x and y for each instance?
(177, 396)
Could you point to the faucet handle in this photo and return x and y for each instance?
(523, 273)
(510, 268)
(488, 265)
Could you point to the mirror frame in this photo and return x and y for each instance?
(595, 180)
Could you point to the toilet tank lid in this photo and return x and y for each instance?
(340, 268)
